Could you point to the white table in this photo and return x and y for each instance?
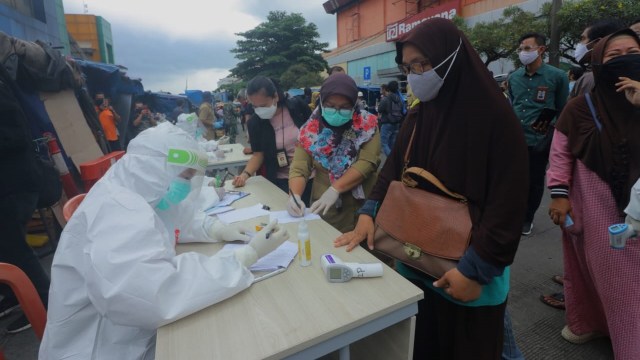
(298, 314)
(234, 157)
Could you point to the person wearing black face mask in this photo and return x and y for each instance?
(594, 162)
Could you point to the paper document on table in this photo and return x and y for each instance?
(284, 217)
(230, 197)
(281, 257)
(218, 210)
(243, 214)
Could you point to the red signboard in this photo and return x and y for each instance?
(447, 10)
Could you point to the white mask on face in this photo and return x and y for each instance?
(266, 112)
(581, 51)
(527, 57)
(426, 86)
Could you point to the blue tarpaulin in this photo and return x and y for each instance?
(195, 96)
(108, 79)
(164, 103)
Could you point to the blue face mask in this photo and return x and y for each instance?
(336, 117)
(179, 189)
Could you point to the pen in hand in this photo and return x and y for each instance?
(294, 199)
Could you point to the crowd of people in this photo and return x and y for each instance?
(575, 131)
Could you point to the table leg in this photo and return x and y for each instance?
(344, 353)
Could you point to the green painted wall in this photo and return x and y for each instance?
(105, 38)
(62, 28)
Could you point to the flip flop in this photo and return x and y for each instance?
(555, 300)
(558, 279)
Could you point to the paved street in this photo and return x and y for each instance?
(537, 326)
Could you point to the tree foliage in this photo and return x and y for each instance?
(576, 15)
(498, 39)
(274, 46)
(232, 88)
(299, 76)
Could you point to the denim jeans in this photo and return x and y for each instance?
(388, 133)
(510, 349)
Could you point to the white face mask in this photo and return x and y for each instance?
(582, 50)
(426, 86)
(266, 112)
(527, 57)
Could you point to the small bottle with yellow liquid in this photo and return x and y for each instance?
(304, 244)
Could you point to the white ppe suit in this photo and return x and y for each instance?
(116, 277)
(633, 209)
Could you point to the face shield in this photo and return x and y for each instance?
(179, 202)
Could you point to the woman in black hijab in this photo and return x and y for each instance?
(467, 135)
(593, 164)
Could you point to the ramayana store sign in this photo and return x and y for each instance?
(446, 11)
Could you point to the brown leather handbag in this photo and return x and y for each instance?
(424, 230)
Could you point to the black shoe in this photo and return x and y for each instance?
(526, 228)
(6, 307)
(18, 325)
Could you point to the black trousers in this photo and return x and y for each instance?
(15, 212)
(537, 170)
(448, 331)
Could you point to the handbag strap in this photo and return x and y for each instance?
(593, 111)
(406, 153)
(424, 174)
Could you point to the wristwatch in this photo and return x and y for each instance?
(246, 172)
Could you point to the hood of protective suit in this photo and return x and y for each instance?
(144, 169)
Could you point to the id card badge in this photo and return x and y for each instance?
(541, 94)
(281, 155)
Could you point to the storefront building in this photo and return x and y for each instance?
(367, 29)
(93, 36)
(33, 20)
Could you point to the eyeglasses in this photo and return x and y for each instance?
(414, 68)
(528, 48)
(333, 111)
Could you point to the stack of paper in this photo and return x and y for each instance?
(283, 216)
(279, 258)
(243, 214)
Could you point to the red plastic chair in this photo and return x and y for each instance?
(27, 297)
(71, 205)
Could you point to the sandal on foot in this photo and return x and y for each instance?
(555, 300)
(568, 335)
(558, 279)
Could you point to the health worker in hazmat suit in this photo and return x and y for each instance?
(116, 277)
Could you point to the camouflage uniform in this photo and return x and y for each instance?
(230, 121)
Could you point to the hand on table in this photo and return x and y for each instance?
(364, 230)
(269, 238)
(240, 180)
(295, 206)
(264, 242)
(223, 232)
(328, 198)
(459, 286)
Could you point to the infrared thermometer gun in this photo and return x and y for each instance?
(619, 234)
(337, 271)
